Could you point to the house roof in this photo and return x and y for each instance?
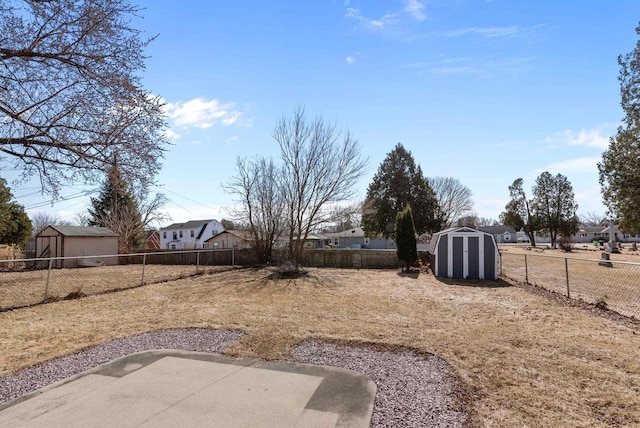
(83, 231)
(356, 232)
(191, 224)
(242, 234)
(497, 230)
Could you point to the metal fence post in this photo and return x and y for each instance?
(566, 270)
(46, 287)
(144, 263)
(526, 270)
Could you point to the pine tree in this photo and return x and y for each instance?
(406, 237)
(15, 226)
(398, 183)
(619, 169)
(116, 208)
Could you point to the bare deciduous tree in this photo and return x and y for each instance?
(41, 220)
(70, 93)
(258, 187)
(320, 165)
(454, 199)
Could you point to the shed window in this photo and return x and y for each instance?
(366, 240)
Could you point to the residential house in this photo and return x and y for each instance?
(356, 238)
(192, 234)
(599, 233)
(502, 234)
(236, 239)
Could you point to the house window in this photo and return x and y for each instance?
(192, 233)
(366, 241)
(181, 234)
(173, 246)
(205, 245)
(336, 241)
(164, 235)
(175, 236)
(214, 232)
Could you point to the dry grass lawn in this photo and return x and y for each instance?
(23, 288)
(527, 360)
(616, 286)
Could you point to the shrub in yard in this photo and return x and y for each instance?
(406, 237)
(565, 244)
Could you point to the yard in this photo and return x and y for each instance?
(526, 360)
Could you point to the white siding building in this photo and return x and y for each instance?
(189, 235)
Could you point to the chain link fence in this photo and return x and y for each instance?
(608, 284)
(26, 282)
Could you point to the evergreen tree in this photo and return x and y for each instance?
(117, 209)
(406, 237)
(619, 169)
(15, 227)
(398, 183)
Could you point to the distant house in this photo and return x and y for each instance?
(355, 238)
(230, 239)
(502, 234)
(599, 233)
(76, 241)
(192, 234)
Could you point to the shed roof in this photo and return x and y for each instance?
(434, 239)
(83, 231)
(242, 234)
(356, 232)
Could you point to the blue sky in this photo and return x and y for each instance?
(483, 91)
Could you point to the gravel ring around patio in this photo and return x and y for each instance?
(412, 389)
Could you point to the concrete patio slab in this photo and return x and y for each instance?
(189, 389)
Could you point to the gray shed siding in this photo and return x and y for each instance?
(474, 257)
(464, 253)
(489, 257)
(458, 256)
(443, 251)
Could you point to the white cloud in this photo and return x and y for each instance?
(232, 139)
(202, 113)
(385, 21)
(172, 135)
(416, 9)
(587, 165)
(487, 32)
(585, 137)
(350, 60)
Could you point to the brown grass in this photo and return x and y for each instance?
(617, 286)
(527, 360)
(23, 288)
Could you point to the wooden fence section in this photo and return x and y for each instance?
(351, 259)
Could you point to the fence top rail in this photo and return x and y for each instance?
(96, 256)
(572, 258)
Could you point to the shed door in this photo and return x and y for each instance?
(466, 258)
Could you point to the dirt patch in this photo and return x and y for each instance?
(526, 359)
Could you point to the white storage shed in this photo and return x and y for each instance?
(463, 252)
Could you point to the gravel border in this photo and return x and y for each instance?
(413, 389)
(191, 339)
